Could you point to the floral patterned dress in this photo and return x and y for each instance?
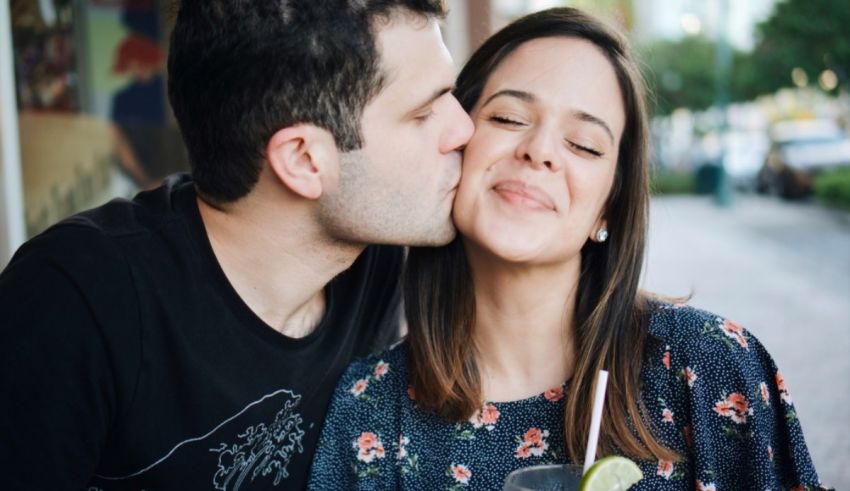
(714, 394)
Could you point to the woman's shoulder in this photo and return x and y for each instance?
(381, 374)
(692, 329)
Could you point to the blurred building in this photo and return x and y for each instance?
(84, 115)
(673, 19)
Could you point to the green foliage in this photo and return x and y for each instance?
(684, 74)
(667, 182)
(833, 187)
(809, 34)
(681, 73)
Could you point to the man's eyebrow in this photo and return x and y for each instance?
(434, 96)
(584, 116)
(529, 97)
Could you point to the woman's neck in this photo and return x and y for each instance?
(523, 315)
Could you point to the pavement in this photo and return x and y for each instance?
(782, 270)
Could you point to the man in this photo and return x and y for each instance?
(192, 338)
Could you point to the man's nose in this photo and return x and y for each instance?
(460, 128)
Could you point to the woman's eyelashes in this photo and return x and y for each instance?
(505, 120)
(512, 122)
(585, 149)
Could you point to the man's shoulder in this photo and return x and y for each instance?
(147, 211)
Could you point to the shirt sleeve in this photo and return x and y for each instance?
(745, 426)
(60, 367)
(358, 443)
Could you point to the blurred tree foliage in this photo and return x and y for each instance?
(813, 35)
(810, 34)
(681, 73)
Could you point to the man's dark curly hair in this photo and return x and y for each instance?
(240, 70)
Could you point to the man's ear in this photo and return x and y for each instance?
(301, 156)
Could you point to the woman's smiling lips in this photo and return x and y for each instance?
(526, 195)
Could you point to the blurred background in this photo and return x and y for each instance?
(750, 150)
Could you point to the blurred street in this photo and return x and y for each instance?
(782, 270)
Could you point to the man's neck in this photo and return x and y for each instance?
(277, 261)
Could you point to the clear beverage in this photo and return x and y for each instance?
(544, 478)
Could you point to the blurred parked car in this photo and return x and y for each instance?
(798, 151)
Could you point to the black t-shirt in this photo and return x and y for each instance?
(128, 361)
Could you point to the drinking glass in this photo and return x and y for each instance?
(544, 478)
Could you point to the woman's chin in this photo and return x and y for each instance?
(510, 249)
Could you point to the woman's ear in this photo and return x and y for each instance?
(302, 156)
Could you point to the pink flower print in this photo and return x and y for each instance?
(533, 436)
(523, 451)
(489, 416)
(667, 415)
(381, 369)
(461, 473)
(765, 395)
(486, 416)
(732, 327)
(402, 447)
(666, 359)
(690, 376)
(783, 390)
(770, 453)
(411, 393)
(366, 440)
(369, 447)
(359, 387)
(780, 382)
(554, 394)
(665, 469)
(735, 406)
(533, 443)
(705, 487)
(735, 331)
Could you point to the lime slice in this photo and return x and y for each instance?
(612, 473)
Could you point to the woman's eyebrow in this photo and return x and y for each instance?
(530, 98)
(519, 94)
(585, 116)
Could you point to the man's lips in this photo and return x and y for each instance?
(518, 190)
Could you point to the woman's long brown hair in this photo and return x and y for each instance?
(610, 328)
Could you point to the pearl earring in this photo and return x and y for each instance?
(601, 235)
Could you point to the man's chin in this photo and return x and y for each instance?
(437, 237)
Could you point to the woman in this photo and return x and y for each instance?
(509, 324)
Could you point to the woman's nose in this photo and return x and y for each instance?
(539, 149)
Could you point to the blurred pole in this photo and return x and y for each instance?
(723, 68)
(12, 227)
(479, 20)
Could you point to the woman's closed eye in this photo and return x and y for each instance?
(585, 149)
(505, 120)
